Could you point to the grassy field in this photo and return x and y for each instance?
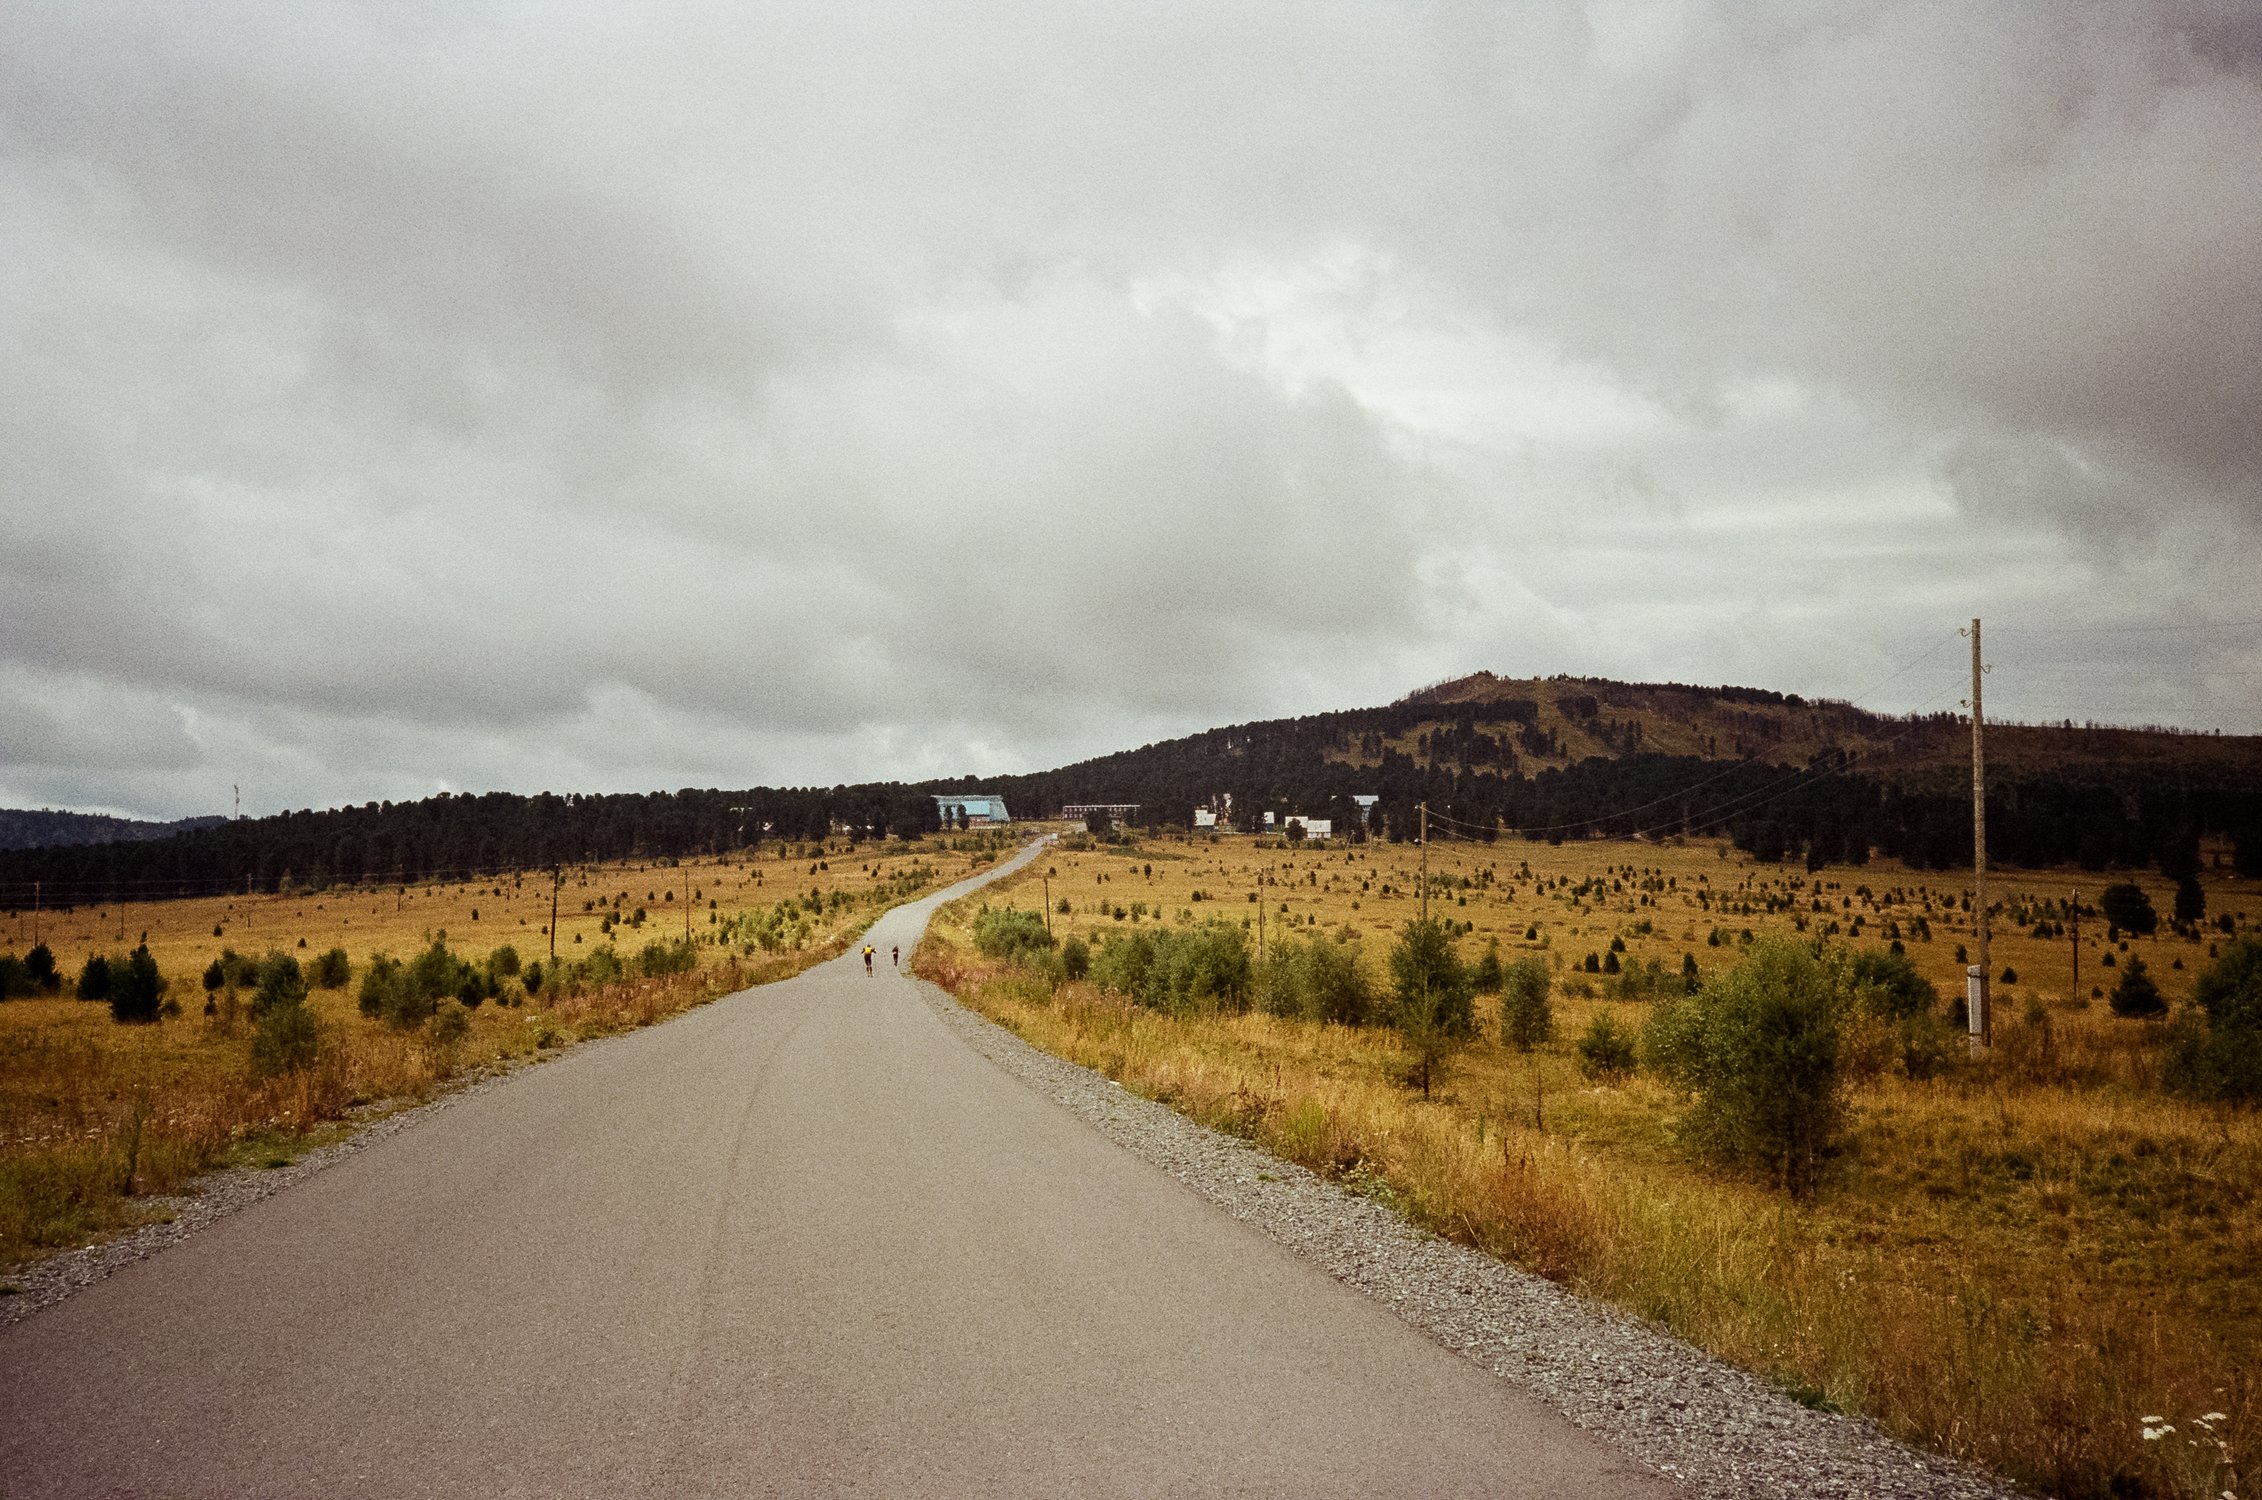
(2015, 1262)
(96, 1116)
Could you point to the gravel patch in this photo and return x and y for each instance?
(1720, 1431)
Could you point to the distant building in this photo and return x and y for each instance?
(1117, 812)
(977, 809)
(1366, 802)
(1314, 828)
(1204, 818)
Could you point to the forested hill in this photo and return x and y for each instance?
(1566, 758)
(1554, 759)
(23, 828)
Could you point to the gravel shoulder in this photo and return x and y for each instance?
(1717, 1429)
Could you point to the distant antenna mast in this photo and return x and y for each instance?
(238, 790)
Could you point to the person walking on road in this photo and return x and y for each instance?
(867, 960)
(895, 955)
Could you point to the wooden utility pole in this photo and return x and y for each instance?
(35, 914)
(1260, 916)
(1048, 903)
(1424, 840)
(1976, 977)
(2074, 900)
(557, 878)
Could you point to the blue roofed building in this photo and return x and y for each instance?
(976, 809)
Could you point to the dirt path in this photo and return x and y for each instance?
(804, 1240)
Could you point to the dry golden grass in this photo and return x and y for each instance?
(2013, 1263)
(95, 1116)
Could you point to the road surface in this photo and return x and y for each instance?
(802, 1241)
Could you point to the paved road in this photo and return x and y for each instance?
(801, 1241)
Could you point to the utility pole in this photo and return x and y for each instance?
(1424, 840)
(2074, 900)
(1976, 977)
(35, 914)
(1048, 903)
(557, 878)
(1260, 916)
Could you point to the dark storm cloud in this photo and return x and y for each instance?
(402, 397)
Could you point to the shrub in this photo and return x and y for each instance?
(280, 984)
(2135, 995)
(2191, 902)
(1887, 988)
(1430, 984)
(1605, 1049)
(1888, 985)
(1643, 979)
(601, 967)
(15, 980)
(1488, 975)
(2128, 908)
(1757, 1051)
(1526, 1019)
(1202, 967)
(94, 979)
(503, 963)
(533, 978)
(2222, 1059)
(378, 984)
(39, 967)
(1075, 958)
(678, 957)
(1316, 979)
(284, 1039)
(215, 975)
(136, 992)
(450, 1024)
(332, 970)
(1010, 933)
(407, 995)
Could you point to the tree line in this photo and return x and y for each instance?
(1830, 811)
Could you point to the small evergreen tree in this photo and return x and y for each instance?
(1431, 985)
(1488, 976)
(1757, 1051)
(1526, 1019)
(94, 979)
(332, 970)
(39, 967)
(280, 983)
(136, 993)
(1605, 1049)
(2135, 995)
(2129, 909)
(2223, 1058)
(2191, 902)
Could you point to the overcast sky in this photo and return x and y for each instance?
(401, 397)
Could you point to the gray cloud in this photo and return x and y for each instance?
(403, 397)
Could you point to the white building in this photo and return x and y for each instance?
(1204, 818)
(1314, 828)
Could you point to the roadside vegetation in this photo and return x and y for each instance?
(1733, 1097)
(141, 1045)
